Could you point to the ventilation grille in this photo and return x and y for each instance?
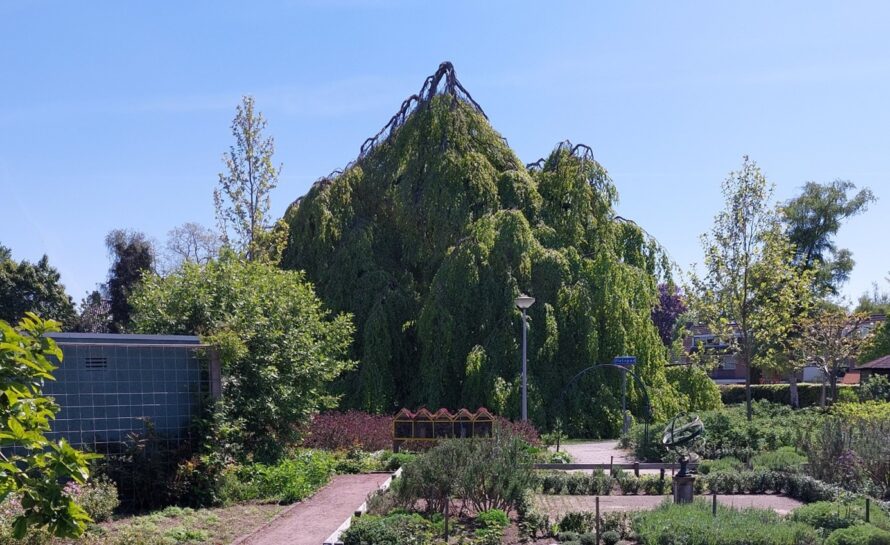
(97, 363)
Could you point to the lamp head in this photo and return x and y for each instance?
(524, 301)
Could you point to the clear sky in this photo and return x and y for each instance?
(115, 114)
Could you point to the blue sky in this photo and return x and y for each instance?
(115, 114)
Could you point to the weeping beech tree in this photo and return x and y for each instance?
(431, 233)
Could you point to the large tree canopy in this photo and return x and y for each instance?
(278, 345)
(32, 287)
(813, 220)
(432, 232)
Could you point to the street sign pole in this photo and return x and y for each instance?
(625, 362)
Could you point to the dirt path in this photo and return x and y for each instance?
(557, 506)
(312, 521)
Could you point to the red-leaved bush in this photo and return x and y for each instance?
(336, 430)
(525, 430)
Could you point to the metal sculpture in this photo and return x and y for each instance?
(680, 434)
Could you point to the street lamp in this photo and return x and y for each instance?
(524, 302)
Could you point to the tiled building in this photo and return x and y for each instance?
(111, 386)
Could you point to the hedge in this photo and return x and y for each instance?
(808, 394)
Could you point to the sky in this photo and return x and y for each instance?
(116, 114)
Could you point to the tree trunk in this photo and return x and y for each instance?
(792, 390)
(833, 379)
(822, 397)
(748, 406)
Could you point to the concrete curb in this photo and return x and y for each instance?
(334, 539)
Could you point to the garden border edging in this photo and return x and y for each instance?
(334, 538)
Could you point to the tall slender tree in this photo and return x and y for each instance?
(736, 295)
(133, 256)
(242, 198)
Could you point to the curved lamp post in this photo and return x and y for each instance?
(524, 302)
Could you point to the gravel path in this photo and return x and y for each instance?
(600, 452)
(312, 521)
(597, 452)
(557, 506)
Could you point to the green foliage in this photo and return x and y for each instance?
(862, 534)
(32, 287)
(493, 518)
(813, 219)
(242, 198)
(428, 238)
(852, 451)
(291, 479)
(98, 497)
(809, 394)
(727, 463)
(781, 459)
(693, 524)
(749, 288)
(875, 388)
(839, 514)
(611, 537)
(278, 345)
(133, 257)
(729, 433)
(484, 473)
(578, 522)
(878, 345)
(697, 391)
(36, 470)
(396, 529)
(596, 483)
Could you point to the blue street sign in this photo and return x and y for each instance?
(625, 360)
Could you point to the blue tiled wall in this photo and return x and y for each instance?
(103, 406)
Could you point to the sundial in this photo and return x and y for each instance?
(679, 435)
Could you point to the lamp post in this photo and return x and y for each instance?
(524, 302)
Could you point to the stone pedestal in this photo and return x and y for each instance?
(683, 488)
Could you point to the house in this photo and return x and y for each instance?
(880, 366)
(729, 369)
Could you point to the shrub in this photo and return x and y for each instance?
(568, 537)
(782, 459)
(398, 529)
(524, 430)
(493, 518)
(840, 514)
(809, 395)
(653, 485)
(611, 537)
(727, 463)
(98, 497)
(484, 473)
(588, 538)
(825, 515)
(862, 534)
(579, 522)
(875, 388)
(290, 480)
(629, 484)
(693, 524)
(852, 449)
(349, 430)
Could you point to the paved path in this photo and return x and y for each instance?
(312, 521)
(602, 452)
(557, 506)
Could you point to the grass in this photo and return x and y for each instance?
(176, 526)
